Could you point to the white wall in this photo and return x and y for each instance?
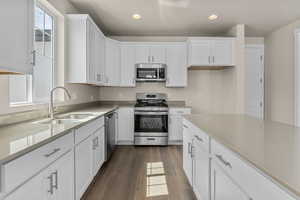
(279, 74)
(80, 93)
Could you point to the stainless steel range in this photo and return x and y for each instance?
(151, 119)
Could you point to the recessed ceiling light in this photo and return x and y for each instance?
(213, 17)
(136, 16)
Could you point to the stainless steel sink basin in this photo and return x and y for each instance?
(78, 116)
(56, 121)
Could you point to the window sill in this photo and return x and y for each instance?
(16, 105)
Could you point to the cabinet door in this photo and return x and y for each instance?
(125, 133)
(98, 147)
(34, 189)
(158, 54)
(83, 166)
(222, 51)
(127, 66)
(199, 53)
(100, 58)
(175, 128)
(201, 171)
(62, 172)
(176, 60)
(16, 19)
(187, 156)
(112, 64)
(91, 53)
(223, 187)
(142, 54)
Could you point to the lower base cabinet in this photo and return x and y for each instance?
(89, 157)
(56, 182)
(223, 187)
(83, 166)
(201, 171)
(125, 133)
(187, 154)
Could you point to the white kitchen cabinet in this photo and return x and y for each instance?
(62, 175)
(125, 133)
(127, 69)
(112, 63)
(201, 170)
(158, 54)
(142, 54)
(17, 25)
(176, 124)
(83, 166)
(86, 45)
(98, 143)
(176, 60)
(199, 52)
(149, 53)
(56, 182)
(222, 52)
(187, 153)
(100, 58)
(223, 187)
(35, 184)
(211, 52)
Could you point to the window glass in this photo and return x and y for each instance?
(36, 88)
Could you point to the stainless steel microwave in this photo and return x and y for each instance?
(150, 72)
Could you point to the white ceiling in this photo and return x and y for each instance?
(188, 17)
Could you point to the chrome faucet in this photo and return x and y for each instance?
(51, 104)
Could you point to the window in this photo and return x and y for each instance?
(35, 88)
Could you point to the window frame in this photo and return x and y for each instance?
(54, 51)
(30, 86)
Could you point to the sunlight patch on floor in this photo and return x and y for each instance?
(156, 180)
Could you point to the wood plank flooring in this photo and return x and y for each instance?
(142, 173)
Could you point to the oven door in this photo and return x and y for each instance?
(149, 123)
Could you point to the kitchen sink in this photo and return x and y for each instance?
(78, 116)
(57, 121)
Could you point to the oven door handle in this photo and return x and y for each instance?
(150, 113)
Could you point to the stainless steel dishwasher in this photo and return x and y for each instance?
(110, 133)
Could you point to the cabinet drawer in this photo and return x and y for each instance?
(17, 171)
(197, 133)
(257, 185)
(88, 129)
(180, 111)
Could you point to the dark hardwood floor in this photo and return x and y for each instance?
(142, 173)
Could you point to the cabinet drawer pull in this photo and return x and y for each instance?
(50, 184)
(226, 163)
(189, 148)
(56, 179)
(151, 139)
(185, 126)
(53, 152)
(198, 138)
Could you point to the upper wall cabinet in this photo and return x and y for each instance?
(86, 47)
(211, 52)
(112, 63)
(16, 49)
(176, 60)
(127, 66)
(150, 53)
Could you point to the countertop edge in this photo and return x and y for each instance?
(52, 138)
